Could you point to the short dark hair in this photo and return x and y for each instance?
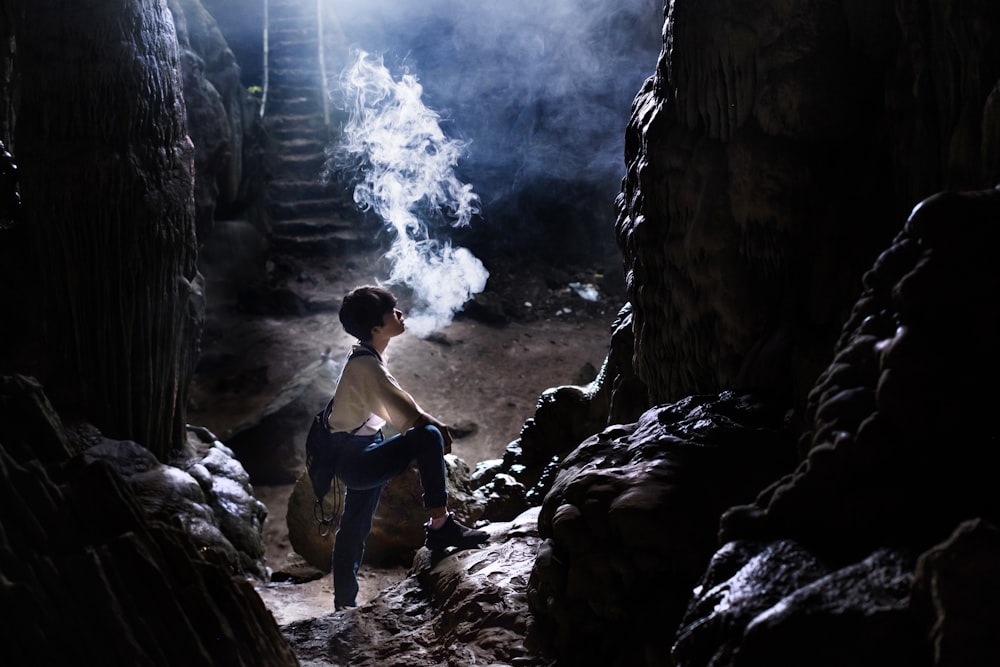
(364, 309)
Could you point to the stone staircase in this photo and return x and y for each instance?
(308, 216)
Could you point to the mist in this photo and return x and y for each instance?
(402, 166)
(539, 95)
(529, 103)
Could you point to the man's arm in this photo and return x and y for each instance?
(425, 419)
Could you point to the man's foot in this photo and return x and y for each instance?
(454, 534)
(342, 606)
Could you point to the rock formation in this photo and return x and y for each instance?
(94, 574)
(898, 461)
(111, 305)
(773, 155)
(787, 454)
(102, 303)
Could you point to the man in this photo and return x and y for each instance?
(366, 398)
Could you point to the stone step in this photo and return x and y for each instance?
(322, 237)
(309, 216)
(303, 143)
(281, 89)
(291, 190)
(317, 225)
(293, 42)
(297, 72)
(293, 166)
(293, 61)
(286, 16)
(294, 106)
(303, 122)
(313, 208)
(282, 137)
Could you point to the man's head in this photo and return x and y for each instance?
(364, 309)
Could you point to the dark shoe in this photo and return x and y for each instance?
(454, 534)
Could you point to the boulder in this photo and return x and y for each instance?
(632, 517)
(398, 528)
(467, 608)
(777, 604)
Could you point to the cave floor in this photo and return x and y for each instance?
(483, 378)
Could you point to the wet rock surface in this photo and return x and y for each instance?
(776, 603)
(90, 576)
(205, 491)
(398, 526)
(462, 609)
(631, 522)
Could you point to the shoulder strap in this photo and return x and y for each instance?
(364, 350)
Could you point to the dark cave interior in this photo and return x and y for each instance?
(792, 208)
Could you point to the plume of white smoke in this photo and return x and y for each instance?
(405, 166)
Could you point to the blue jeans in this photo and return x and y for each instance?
(365, 464)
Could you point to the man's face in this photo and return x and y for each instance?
(392, 323)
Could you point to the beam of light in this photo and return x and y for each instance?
(404, 166)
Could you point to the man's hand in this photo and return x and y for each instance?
(447, 438)
(445, 433)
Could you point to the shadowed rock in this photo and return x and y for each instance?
(91, 577)
(631, 522)
(464, 609)
(781, 606)
(398, 527)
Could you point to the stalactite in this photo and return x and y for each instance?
(108, 186)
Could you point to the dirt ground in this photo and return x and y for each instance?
(482, 376)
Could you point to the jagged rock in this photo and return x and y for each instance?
(503, 497)
(465, 609)
(957, 592)
(90, 577)
(207, 494)
(770, 159)
(777, 604)
(742, 581)
(398, 528)
(631, 520)
(898, 452)
(563, 417)
(213, 97)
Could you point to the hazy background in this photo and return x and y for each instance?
(539, 93)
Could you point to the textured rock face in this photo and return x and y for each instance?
(897, 450)
(771, 157)
(468, 608)
(206, 493)
(398, 528)
(778, 605)
(214, 99)
(89, 578)
(108, 252)
(897, 455)
(564, 417)
(631, 520)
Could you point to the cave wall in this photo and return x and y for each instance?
(106, 251)
(776, 150)
(107, 556)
